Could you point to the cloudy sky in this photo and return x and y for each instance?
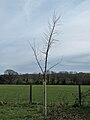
(23, 20)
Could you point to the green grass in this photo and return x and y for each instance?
(14, 100)
(56, 93)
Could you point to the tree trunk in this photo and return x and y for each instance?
(45, 100)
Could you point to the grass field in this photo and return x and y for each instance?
(14, 101)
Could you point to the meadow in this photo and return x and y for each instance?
(14, 101)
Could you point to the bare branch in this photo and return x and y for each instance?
(35, 54)
(55, 18)
(42, 52)
(49, 25)
(51, 40)
(55, 64)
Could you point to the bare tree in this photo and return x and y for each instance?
(50, 38)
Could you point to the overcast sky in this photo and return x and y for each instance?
(23, 20)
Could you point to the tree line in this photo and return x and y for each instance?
(53, 78)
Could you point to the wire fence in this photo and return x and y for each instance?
(64, 94)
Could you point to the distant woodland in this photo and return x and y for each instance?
(60, 78)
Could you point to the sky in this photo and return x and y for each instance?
(27, 20)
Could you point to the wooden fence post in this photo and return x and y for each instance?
(30, 94)
(79, 94)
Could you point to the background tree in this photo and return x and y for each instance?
(10, 72)
(10, 76)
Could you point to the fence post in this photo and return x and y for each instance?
(30, 93)
(79, 94)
